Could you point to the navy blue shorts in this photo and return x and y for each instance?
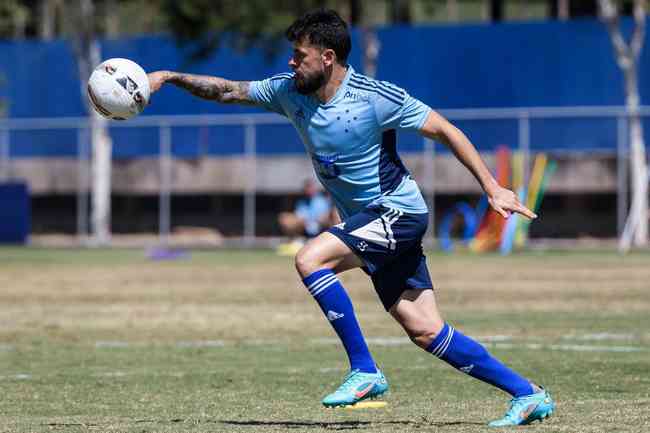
(389, 242)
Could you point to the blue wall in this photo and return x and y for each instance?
(507, 65)
(504, 65)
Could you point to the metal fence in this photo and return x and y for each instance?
(519, 119)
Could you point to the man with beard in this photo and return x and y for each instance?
(347, 122)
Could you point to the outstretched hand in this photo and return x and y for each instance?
(505, 202)
(156, 80)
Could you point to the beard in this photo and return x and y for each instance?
(306, 85)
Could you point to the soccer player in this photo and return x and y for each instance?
(347, 122)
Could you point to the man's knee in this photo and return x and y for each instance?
(424, 334)
(307, 261)
(422, 339)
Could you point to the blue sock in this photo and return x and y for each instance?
(336, 304)
(470, 357)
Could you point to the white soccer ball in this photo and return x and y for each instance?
(118, 89)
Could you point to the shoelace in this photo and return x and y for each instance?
(512, 413)
(351, 379)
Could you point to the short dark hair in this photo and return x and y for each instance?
(325, 28)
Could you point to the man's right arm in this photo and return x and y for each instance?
(204, 86)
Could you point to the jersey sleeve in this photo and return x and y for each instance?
(271, 92)
(395, 108)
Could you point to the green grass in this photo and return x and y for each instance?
(108, 341)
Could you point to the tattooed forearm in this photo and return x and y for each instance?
(213, 88)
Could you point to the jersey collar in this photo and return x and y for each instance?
(341, 90)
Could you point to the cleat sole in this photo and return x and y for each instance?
(367, 405)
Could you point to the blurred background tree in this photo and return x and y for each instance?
(201, 26)
(14, 16)
(260, 21)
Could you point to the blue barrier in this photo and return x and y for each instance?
(476, 66)
(470, 225)
(15, 213)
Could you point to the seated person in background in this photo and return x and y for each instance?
(313, 214)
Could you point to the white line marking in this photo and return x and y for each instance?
(111, 344)
(332, 369)
(200, 343)
(111, 374)
(496, 342)
(567, 347)
(376, 341)
(19, 376)
(494, 338)
(403, 341)
(601, 336)
(263, 342)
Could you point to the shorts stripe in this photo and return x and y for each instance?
(388, 219)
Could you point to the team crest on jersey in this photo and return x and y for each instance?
(326, 165)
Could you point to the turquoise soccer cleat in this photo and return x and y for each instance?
(524, 410)
(356, 387)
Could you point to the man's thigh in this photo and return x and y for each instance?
(326, 251)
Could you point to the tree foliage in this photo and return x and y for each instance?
(202, 25)
(14, 16)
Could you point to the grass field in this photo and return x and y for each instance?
(108, 341)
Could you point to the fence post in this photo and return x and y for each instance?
(5, 168)
(621, 174)
(430, 186)
(164, 198)
(524, 142)
(83, 181)
(250, 139)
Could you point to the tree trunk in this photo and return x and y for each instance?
(495, 10)
(46, 24)
(88, 56)
(102, 149)
(111, 19)
(638, 217)
(400, 11)
(452, 11)
(356, 12)
(627, 56)
(563, 9)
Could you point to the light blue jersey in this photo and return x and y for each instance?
(351, 139)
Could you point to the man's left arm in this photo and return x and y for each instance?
(501, 199)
